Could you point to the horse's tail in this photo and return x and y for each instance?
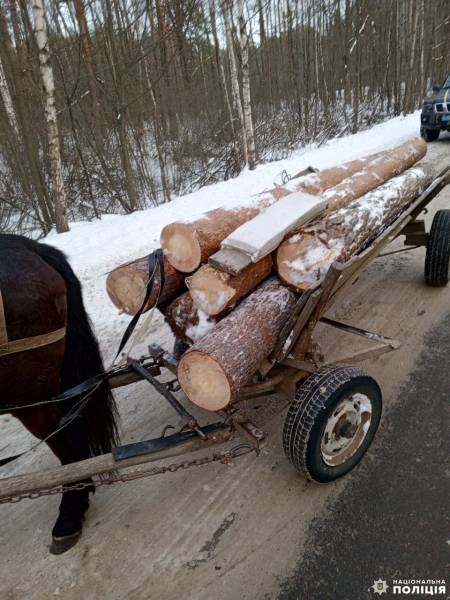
(82, 358)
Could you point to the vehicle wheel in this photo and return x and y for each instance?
(437, 258)
(429, 135)
(332, 422)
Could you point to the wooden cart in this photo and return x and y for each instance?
(334, 409)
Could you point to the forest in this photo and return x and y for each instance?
(113, 106)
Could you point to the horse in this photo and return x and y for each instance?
(41, 294)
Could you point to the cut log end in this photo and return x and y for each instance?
(211, 293)
(204, 381)
(181, 247)
(127, 284)
(214, 291)
(126, 290)
(300, 263)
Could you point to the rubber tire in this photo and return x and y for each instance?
(429, 135)
(437, 258)
(307, 416)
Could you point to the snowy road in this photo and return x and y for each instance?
(226, 532)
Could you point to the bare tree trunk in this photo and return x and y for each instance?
(248, 122)
(220, 69)
(7, 101)
(59, 196)
(234, 74)
(87, 51)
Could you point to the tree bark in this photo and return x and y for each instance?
(126, 286)
(7, 102)
(226, 10)
(214, 291)
(59, 196)
(247, 105)
(187, 322)
(387, 165)
(304, 258)
(87, 52)
(216, 368)
(189, 244)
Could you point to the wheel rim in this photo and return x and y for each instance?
(346, 429)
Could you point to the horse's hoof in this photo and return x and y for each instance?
(62, 544)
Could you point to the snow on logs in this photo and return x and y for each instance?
(127, 283)
(187, 322)
(378, 170)
(305, 256)
(188, 244)
(215, 291)
(218, 365)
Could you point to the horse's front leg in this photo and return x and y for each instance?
(69, 524)
(69, 445)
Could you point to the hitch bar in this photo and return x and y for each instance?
(170, 441)
(187, 419)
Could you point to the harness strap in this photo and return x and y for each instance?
(155, 262)
(28, 343)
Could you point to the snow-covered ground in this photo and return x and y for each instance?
(96, 247)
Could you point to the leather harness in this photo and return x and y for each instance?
(28, 343)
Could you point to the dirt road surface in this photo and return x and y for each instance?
(222, 532)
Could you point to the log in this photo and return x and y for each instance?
(214, 291)
(188, 323)
(378, 171)
(188, 244)
(127, 283)
(216, 368)
(304, 258)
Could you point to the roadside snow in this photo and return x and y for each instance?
(94, 248)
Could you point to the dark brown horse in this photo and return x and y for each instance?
(41, 294)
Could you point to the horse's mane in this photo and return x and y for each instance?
(82, 358)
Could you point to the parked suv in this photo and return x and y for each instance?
(436, 112)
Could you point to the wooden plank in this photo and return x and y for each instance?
(229, 260)
(287, 329)
(261, 235)
(303, 320)
(98, 465)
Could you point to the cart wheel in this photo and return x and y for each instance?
(437, 257)
(332, 422)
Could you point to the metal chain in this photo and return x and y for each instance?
(222, 457)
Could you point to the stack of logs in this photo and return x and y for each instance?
(363, 197)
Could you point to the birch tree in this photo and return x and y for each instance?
(247, 105)
(7, 101)
(226, 11)
(59, 196)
